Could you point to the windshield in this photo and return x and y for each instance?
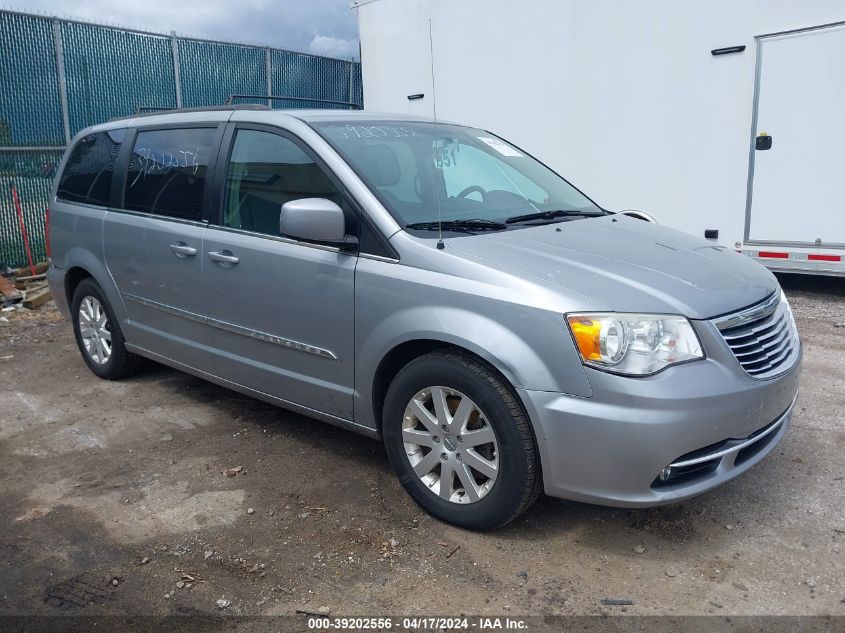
(466, 178)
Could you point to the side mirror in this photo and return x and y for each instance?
(313, 220)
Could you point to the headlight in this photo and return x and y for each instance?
(634, 344)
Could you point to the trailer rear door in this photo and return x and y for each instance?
(797, 187)
(401, 82)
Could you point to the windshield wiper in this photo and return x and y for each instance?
(549, 215)
(477, 224)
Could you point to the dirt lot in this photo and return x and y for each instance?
(114, 501)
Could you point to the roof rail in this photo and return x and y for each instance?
(349, 104)
(145, 111)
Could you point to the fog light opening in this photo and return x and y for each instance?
(666, 473)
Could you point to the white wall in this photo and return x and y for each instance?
(621, 96)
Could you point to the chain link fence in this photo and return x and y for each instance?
(59, 76)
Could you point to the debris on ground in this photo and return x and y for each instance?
(223, 603)
(36, 297)
(11, 295)
(639, 548)
(231, 472)
(613, 602)
(26, 288)
(321, 611)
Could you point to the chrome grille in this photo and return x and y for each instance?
(763, 338)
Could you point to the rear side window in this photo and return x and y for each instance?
(87, 175)
(167, 172)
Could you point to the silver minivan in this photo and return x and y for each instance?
(430, 285)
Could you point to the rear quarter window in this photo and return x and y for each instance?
(167, 172)
(88, 173)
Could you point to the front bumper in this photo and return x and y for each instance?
(707, 417)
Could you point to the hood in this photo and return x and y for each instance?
(626, 265)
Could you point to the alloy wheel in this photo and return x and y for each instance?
(450, 445)
(94, 330)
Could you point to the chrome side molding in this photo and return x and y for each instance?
(234, 329)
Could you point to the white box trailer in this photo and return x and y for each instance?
(725, 118)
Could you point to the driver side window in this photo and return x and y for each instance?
(265, 171)
(465, 167)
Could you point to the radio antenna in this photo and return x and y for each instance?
(440, 244)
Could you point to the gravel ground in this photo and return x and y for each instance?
(114, 500)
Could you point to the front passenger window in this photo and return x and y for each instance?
(267, 170)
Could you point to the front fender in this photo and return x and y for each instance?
(477, 333)
(517, 355)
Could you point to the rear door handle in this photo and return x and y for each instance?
(223, 257)
(180, 249)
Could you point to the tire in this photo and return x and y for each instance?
(494, 496)
(100, 342)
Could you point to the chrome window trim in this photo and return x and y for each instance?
(235, 329)
(154, 216)
(280, 238)
(87, 205)
(379, 258)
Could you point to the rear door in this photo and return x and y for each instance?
(796, 188)
(282, 311)
(153, 244)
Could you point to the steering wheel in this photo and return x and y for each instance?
(472, 189)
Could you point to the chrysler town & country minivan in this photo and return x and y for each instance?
(431, 285)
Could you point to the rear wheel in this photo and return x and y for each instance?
(460, 441)
(98, 334)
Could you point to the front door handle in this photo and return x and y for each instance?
(223, 257)
(180, 249)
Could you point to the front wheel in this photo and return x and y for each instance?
(460, 442)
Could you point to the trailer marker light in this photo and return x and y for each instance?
(773, 255)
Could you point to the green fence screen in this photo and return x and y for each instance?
(60, 76)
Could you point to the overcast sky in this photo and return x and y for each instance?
(315, 26)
